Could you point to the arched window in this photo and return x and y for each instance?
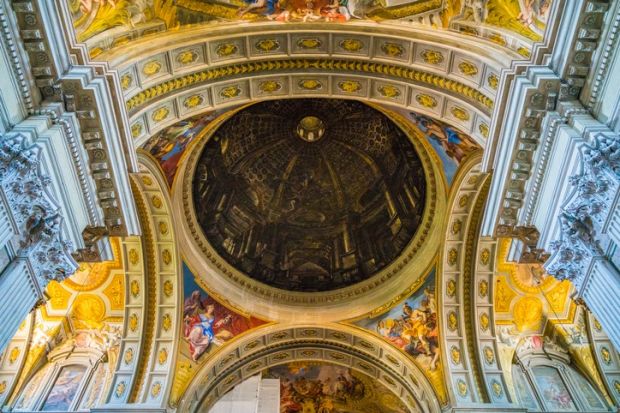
(547, 382)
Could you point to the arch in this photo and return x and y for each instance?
(154, 296)
(276, 304)
(166, 79)
(333, 343)
(466, 294)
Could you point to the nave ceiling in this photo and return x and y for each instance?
(309, 191)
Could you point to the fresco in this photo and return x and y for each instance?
(168, 145)
(552, 388)
(412, 326)
(65, 388)
(207, 323)
(126, 20)
(325, 388)
(309, 194)
(451, 145)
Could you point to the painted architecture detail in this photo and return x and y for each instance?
(318, 206)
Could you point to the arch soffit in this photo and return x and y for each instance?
(153, 296)
(459, 289)
(332, 343)
(441, 74)
(347, 303)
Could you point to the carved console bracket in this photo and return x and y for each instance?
(525, 239)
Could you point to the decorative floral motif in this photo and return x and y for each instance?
(151, 68)
(489, 356)
(468, 68)
(193, 101)
(230, 92)
(134, 288)
(187, 57)
(426, 100)
(155, 389)
(485, 256)
(226, 49)
(269, 86)
(162, 356)
(351, 45)
(166, 256)
(493, 81)
(133, 322)
(484, 321)
(392, 49)
(484, 129)
(128, 356)
(483, 288)
(126, 81)
(166, 322)
(350, 86)
(455, 355)
(160, 114)
(453, 256)
(136, 130)
(451, 288)
(389, 91)
(120, 389)
(267, 45)
(310, 84)
(168, 288)
(432, 57)
(452, 321)
(461, 387)
(309, 43)
(460, 113)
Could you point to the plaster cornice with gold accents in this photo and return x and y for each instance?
(276, 304)
(333, 343)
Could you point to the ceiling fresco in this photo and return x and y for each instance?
(326, 388)
(412, 326)
(106, 24)
(207, 325)
(309, 194)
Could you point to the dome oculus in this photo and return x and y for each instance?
(309, 195)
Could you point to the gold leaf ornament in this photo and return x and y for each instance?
(432, 57)
(151, 68)
(351, 45)
(392, 49)
(389, 91)
(460, 113)
(226, 49)
(193, 101)
(310, 84)
(350, 86)
(468, 68)
(267, 45)
(230, 92)
(160, 114)
(309, 43)
(269, 86)
(187, 57)
(426, 100)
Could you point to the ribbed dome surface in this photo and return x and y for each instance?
(307, 203)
